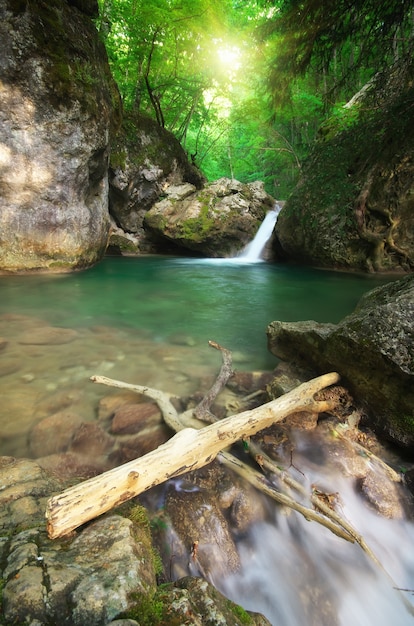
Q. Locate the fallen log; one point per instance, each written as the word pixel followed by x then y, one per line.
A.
pixel 189 449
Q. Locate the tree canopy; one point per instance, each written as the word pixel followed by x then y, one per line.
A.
pixel 245 85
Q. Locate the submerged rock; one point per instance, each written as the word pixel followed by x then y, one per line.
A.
pixel 217 221
pixel 373 351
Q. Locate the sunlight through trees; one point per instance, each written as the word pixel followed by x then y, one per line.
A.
pixel 245 85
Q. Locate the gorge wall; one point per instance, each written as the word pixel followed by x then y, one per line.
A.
pixel 59 106
pixel 354 205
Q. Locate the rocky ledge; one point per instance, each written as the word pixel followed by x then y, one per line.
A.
pixel 372 349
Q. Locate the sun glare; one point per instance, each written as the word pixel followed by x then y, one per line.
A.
pixel 230 56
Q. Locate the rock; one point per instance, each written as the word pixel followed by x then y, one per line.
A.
pixel 10 365
pixel 217 221
pixel 48 335
pixel 131 418
pixel 148 439
pixel 92 440
pixel 70 465
pixel 53 434
pixel 195 602
pixel 103 573
pixel 25 489
pixel 383 494
pixel 59 105
pixel 145 161
pixel 88 582
pixel 373 351
pixel 111 403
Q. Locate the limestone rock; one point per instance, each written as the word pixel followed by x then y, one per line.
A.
pixel 104 573
pixel 58 103
pixel 372 349
pixel 217 221
pixel 195 602
pixel 145 160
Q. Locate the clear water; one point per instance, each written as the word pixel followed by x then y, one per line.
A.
pixel 218 299
pixel 148 321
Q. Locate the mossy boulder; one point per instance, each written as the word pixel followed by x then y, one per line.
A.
pixel 373 351
pixel 145 160
pixel 216 221
pixel 59 107
pixel 354 205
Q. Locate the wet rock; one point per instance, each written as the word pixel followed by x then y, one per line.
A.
pixel 207 545
pixel 92 440
pixel 69 465
pixel 10 365
pixel 85 581
pixel 195 602
pixel 131 418
pixel 53 434
pixel 48 335
pixel 217 221
pixel 56 402
pixel 147 440
pixel 25 487
pixel 111 403
pixel 373 351
pixel 383 494
pixel 94 577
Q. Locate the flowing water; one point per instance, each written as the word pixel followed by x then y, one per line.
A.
pixel 148 321
pixel 254 250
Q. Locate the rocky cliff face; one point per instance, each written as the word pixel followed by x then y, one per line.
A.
pixel 354 207
pixel 57 100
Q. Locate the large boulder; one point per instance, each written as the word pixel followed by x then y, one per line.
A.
pixel 103 573
pixel 58 102
pixel 354 205
pixel 217 221
pixel 373 351
pixel 145 160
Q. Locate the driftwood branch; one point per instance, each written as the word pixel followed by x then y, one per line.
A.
pixel 189 449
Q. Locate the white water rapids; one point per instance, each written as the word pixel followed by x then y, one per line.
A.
pixel 298 573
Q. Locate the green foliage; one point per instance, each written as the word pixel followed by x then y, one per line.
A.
pixel 245 86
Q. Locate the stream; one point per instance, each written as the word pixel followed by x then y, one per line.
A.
pixel 147 320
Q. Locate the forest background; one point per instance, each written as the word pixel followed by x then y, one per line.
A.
pixel 247 85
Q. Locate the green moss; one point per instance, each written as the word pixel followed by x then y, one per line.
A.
pixel 147 610
pixel 118 159
pixel 196 228
pixel 241 614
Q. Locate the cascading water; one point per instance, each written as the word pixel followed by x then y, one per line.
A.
pixel 298 573
pixel 254 250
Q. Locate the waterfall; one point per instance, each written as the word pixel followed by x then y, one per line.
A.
pixel 254 250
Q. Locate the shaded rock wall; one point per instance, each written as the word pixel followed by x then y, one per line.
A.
pixel 57 100
pixel 354 205
pixel 145 160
